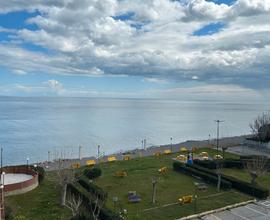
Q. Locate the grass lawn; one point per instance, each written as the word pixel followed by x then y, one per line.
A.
pixel 40 204
pixel 263 180
pixel 170 187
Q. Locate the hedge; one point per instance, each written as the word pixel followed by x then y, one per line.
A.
pixel 228 163
pixel 92 173
pixel 90 187
pixel 245 187
pixel 206 177
pixel 85 193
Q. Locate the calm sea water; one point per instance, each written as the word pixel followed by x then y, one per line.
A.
pixel 30 127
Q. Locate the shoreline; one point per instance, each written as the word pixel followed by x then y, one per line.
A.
pixel 149 151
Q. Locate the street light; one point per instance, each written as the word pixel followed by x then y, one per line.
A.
pixel 218 121
pixel 171 144
pixel 27 161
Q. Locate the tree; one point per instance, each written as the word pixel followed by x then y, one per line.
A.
pixel 65 176
pixel 97 201
pixel 74 203
pixel 256 166
pixel 261 127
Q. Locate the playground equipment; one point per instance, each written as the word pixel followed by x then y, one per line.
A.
pixel 75 165
pixel 157 154
pixel 126 157
pixel 112 159
pixel 183 150
pixel 121 173
pixel 167 151
pixel 133 197
pixel 182 158
pixel 163 170
pixel 218 157
pixel 185 199
pixel 90 162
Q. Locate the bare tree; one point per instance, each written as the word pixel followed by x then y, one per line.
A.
pixel 97 201
pixel 65 176
pixel 261 127
pixel 74 203
pixel 256 166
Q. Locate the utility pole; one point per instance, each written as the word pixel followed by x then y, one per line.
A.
pixel 218 121
pixel 171 144
pixel 80 150
pixel 98 152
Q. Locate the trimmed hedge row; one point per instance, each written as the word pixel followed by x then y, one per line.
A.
pixel 92 173
pixel 242 186
pixel 85 189
pixel 189 170
pixel 228 163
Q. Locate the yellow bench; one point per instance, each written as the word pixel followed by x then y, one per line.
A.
pixel 163 170
pixel 204 154
pixel 121 173
pixel 75 165
pixel 127 157
pixel 112 159
pixel 90 162
pixel 186 199
pixel 167 151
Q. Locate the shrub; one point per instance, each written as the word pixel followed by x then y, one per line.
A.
pixel 197 173
pixel 40 171
pixel 228 163
pixel 240 185
pixel 90 187
pixel 92 173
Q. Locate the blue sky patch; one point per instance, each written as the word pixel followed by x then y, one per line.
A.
pixel 209 29
pixel 124 17
pixel 227 2
pixel 17 20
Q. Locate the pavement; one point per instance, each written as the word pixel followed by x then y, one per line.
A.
pixel 254 211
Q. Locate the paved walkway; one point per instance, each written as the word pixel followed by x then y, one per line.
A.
pixel 253 211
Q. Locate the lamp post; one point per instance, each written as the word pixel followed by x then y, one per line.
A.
pixel 49 156
pixel 218 121
pixel 2 202
pixel 98 153
pixel 27 161
pixel 171 144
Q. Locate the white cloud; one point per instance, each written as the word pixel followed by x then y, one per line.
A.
pixel 83 38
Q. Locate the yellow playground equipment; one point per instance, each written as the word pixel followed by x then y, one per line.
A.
pixel 185 199
pixel 90 162
pixel 112 159
pixel 218 157
pixel 163 170
pixel 121 173
pixel 182 158
pixel 126 157
pixel 183 150
pixel 157 154
pixel 167 151
pixel 204 154
pixel 75 165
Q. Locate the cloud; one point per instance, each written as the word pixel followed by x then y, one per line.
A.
pixel 155 43
pixel 155 80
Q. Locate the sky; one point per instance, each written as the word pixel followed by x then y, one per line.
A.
pixel 182 49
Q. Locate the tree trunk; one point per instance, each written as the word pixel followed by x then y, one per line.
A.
pixel 63 195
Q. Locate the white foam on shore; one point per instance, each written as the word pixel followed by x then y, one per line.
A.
pixel 11 178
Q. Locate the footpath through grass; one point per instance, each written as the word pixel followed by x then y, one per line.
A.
pixel 170 187
pixel 40 204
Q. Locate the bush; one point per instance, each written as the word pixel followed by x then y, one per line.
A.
pixel 91 188
pixel 228 163
pixel 92 173
pixel 240 185
pixel 197 173
pixel 40 171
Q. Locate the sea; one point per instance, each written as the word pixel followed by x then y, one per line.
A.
pixel 37 129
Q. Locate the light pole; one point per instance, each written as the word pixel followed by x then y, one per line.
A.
pixel 218 121
pixel 171 144
pixel 49 156
pixel 2 204
pixel 27 161
pixel 80 151
pixel 1 160
pixel 98 152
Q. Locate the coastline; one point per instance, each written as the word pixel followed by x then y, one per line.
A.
pixel 149 151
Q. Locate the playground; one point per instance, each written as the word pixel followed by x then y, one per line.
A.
pixel 130 187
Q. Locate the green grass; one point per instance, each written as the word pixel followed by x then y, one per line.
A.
pixel 263 180
pixel 170 188
pixel 40 204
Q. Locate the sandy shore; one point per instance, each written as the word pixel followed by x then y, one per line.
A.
pixel 234 141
